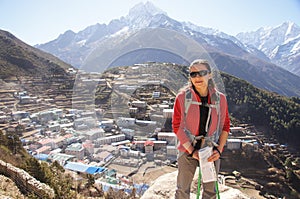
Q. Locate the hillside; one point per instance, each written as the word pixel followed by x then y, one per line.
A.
pixel 19 59
pixel 273 114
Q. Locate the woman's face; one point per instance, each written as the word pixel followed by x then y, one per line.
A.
pixel 200 81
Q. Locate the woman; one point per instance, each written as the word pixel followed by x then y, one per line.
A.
pixel 208 119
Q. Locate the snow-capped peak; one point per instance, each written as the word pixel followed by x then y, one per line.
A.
pixel 148 8
pixel 270 38
pixel 140 16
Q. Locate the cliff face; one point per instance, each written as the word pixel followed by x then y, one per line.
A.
pixel 164 188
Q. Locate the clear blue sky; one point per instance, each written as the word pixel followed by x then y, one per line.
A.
pixel 40 21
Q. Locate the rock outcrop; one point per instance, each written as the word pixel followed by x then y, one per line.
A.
pixel 164 188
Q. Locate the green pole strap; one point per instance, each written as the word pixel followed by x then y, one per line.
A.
pixel 217 189
pixel 199 184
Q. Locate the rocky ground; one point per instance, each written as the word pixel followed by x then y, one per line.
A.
pixel 8 189
pixel 164 188
pixel 162 180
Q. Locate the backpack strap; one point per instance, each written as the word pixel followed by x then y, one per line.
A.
pixel 216 99
pixel 187 101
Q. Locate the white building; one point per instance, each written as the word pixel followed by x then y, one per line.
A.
pixel 89 122
pixel 76 150
pixel 233 144
pixel 172 151
pixel 109 139
pixel 155 94
pixel 170 137
pixel 125 122
pixel 93 134
pixel 141 104
pixel 128 132
pixel 167 113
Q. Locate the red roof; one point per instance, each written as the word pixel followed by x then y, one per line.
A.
pixel 149 142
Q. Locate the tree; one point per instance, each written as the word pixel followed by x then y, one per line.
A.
pixel 34 168
pixel 59 181
pixel 91 181
pixel 288 162
pixel 3 139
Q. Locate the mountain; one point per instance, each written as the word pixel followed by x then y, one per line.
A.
pixel 280 44
pixel 105 41
pixel 19 59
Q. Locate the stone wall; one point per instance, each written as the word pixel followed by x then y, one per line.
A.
pixel 25 182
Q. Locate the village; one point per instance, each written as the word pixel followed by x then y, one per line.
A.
pixel 115 126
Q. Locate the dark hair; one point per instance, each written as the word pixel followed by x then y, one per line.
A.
pixel 201 61
pixel 204 62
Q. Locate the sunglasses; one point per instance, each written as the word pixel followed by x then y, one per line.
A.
pixel 201 73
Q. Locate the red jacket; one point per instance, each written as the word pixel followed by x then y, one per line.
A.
pixel 193 117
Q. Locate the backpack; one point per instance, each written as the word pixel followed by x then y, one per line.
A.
pixel 188 102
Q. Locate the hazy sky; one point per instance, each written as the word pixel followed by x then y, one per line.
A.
pixel 40 21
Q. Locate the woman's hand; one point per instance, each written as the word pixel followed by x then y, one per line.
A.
pixel 196 155
pixel 215 156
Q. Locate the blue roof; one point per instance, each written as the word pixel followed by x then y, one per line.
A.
pixel 41 156
pixel 80 167
pixel 75 166
pixel 141 188
pixel 93 170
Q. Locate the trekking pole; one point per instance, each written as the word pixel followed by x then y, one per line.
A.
pixel 199 184
pixel 217 189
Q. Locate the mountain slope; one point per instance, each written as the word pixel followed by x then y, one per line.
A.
pixel 261 74
pixel 19 59
pixel 273 114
